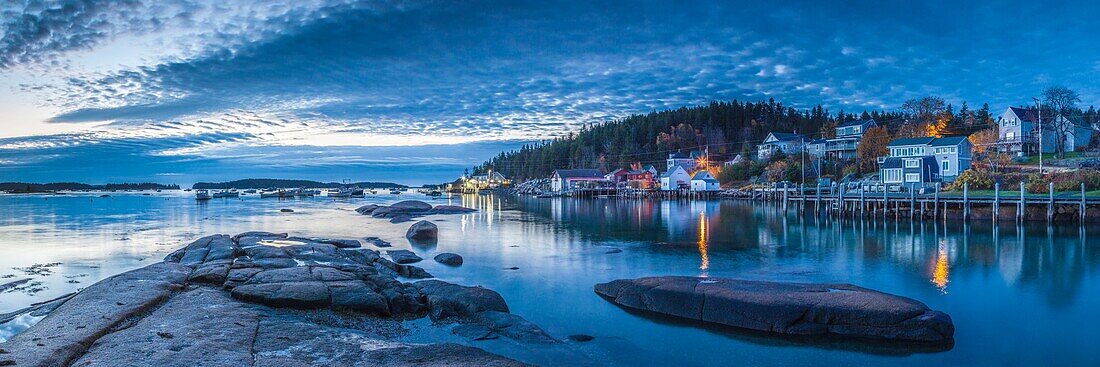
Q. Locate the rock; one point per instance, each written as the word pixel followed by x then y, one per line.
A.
pixel 448 258
pixel 403 256
pixel 514 327
pixel 377 242
pixel 338 242
pixel 358 296
pixel 474 332
pixel 788 308
pixel 580 338
pixel 400 218
pixel 422 230
pixel 613 250
pixel 9 285
pixel 62 336
pixel 366 209
pixel 305 295
pixel 452 300
pixel 412 206
pixel 512 268
pixel 258 234
pixel 212 272
pixel 451 209
pixel 285 210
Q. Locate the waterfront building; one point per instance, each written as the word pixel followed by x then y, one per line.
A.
pixel 786 143
pixel 1018 132
pixel 567 180
pixel 816 148
pixel 617 176
pixel 675 178
pixel 919 162
pixel 703 180
pixel 491 180
pixel 642 179
pixel 688 162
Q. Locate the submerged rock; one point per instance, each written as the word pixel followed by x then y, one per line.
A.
pixel 406 210
pixel 448 258
pixel 403 256
pixel 422 231
pixel 787 308
pixel 452 300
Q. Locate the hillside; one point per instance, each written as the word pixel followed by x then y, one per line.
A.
pixel 263 183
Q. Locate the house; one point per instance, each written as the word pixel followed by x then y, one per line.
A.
pixel 566 180
pixel 641 179
pixel 737 159
pixel 491 180
pixel 816 148
pixel 912 173
pixel 848 135
pixel 703 180
pixel 779 142
pixel 616 176
pixel 1019 132
pixel 688 162
pixel 920 161
pixel 675 178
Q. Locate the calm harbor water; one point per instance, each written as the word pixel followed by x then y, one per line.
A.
pixel 1019 295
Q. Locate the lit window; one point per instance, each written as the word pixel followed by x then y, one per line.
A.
pixel 946 167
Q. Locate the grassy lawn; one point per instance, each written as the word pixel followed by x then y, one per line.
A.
pixel 1051 157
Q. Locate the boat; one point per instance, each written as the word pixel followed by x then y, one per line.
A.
pixel 202 195
pixel 250 191
pixel 280 193
pixel 357 193
pixel 226 194
pixel 435 193
pixel 305 193
pixel 342 192
pixel 395 192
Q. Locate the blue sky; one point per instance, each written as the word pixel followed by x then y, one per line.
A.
pixel 186 90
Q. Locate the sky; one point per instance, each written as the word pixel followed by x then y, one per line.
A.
pixel 179 91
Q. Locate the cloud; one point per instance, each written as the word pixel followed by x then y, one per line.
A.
pixel 235 76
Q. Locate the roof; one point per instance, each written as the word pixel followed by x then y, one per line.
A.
pixel 617 171
pixel 673 170
pixel 702 175
pixel 649 167
pixel 579 173
pixel 899 162
pixel 1025 114
pixel 818 141
pixel 856 123
pixel 910 141
pixel 948 141
pixel 786 136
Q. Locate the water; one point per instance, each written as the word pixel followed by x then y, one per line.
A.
pixel 1019 295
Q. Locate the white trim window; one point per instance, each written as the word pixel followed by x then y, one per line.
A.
pixel 912 177
pixel 946 166
pixel 912 163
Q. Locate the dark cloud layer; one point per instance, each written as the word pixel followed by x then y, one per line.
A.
pixel 506 70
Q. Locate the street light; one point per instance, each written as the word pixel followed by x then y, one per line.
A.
pixel 1040 104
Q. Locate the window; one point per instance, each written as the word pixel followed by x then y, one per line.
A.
pixel 912 163
pixel 912 177
pixel 946 166
pixel 1010 135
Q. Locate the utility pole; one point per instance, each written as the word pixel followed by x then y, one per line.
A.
pixel 1040 104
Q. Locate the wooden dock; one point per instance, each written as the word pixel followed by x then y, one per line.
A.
pixel 1052 207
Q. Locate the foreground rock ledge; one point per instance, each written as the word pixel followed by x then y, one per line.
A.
pixel 264 299
pixel 787 308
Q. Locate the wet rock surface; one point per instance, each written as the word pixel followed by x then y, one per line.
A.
pixel 403 256
pixel 256 299
pixel 448 258
pixel 404 211
pixel 788 308
pixel 422 231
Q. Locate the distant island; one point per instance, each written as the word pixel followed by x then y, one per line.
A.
pixel 263 183
pixel 24 187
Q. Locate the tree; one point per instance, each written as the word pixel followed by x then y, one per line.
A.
pixel 928 116
pixel 1062 102
pixel 872 146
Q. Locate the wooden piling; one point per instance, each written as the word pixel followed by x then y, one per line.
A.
pixel 966 201
pixel 1082 210
pixel 996 200
pixel 1050 202
pixel 1021 209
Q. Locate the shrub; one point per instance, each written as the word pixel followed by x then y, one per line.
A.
pixel 976 179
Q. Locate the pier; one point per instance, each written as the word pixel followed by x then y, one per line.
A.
pixel 1017 205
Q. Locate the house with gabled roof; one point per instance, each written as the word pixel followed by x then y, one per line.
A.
pixel 917 162
pixel 848 136
pixel 1018 132
pixel 703 180
pixel 675 179
pixel 777 142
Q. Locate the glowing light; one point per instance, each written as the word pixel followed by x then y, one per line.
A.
pixel 705 264
pixel 940 272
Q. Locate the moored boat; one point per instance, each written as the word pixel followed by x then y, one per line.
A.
pixel 201 195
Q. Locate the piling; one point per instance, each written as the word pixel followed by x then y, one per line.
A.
pixel 1021 207
pixel 1082 210
pixel 996 200
pixel 966 201
pixel 1050 203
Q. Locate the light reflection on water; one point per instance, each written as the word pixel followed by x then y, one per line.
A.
pixel 1010 286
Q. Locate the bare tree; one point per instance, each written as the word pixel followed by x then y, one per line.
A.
pixel 1062 102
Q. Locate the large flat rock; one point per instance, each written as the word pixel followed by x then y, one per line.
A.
pixel 787 308
pixel 65 333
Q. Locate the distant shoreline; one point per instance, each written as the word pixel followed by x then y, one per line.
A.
pixel 33 188
pixel 264 183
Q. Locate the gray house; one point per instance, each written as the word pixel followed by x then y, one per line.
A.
pixel 848 135
pixel 1019 132
pixel 916 162
pixel 786 143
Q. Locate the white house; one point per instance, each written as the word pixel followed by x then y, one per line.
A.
pixel 675 178
pixel 565 180
pixel 733 162
pixel 848 135
pixel 702 180
pixel 688 162
pixel 786 143
pixel 914 162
